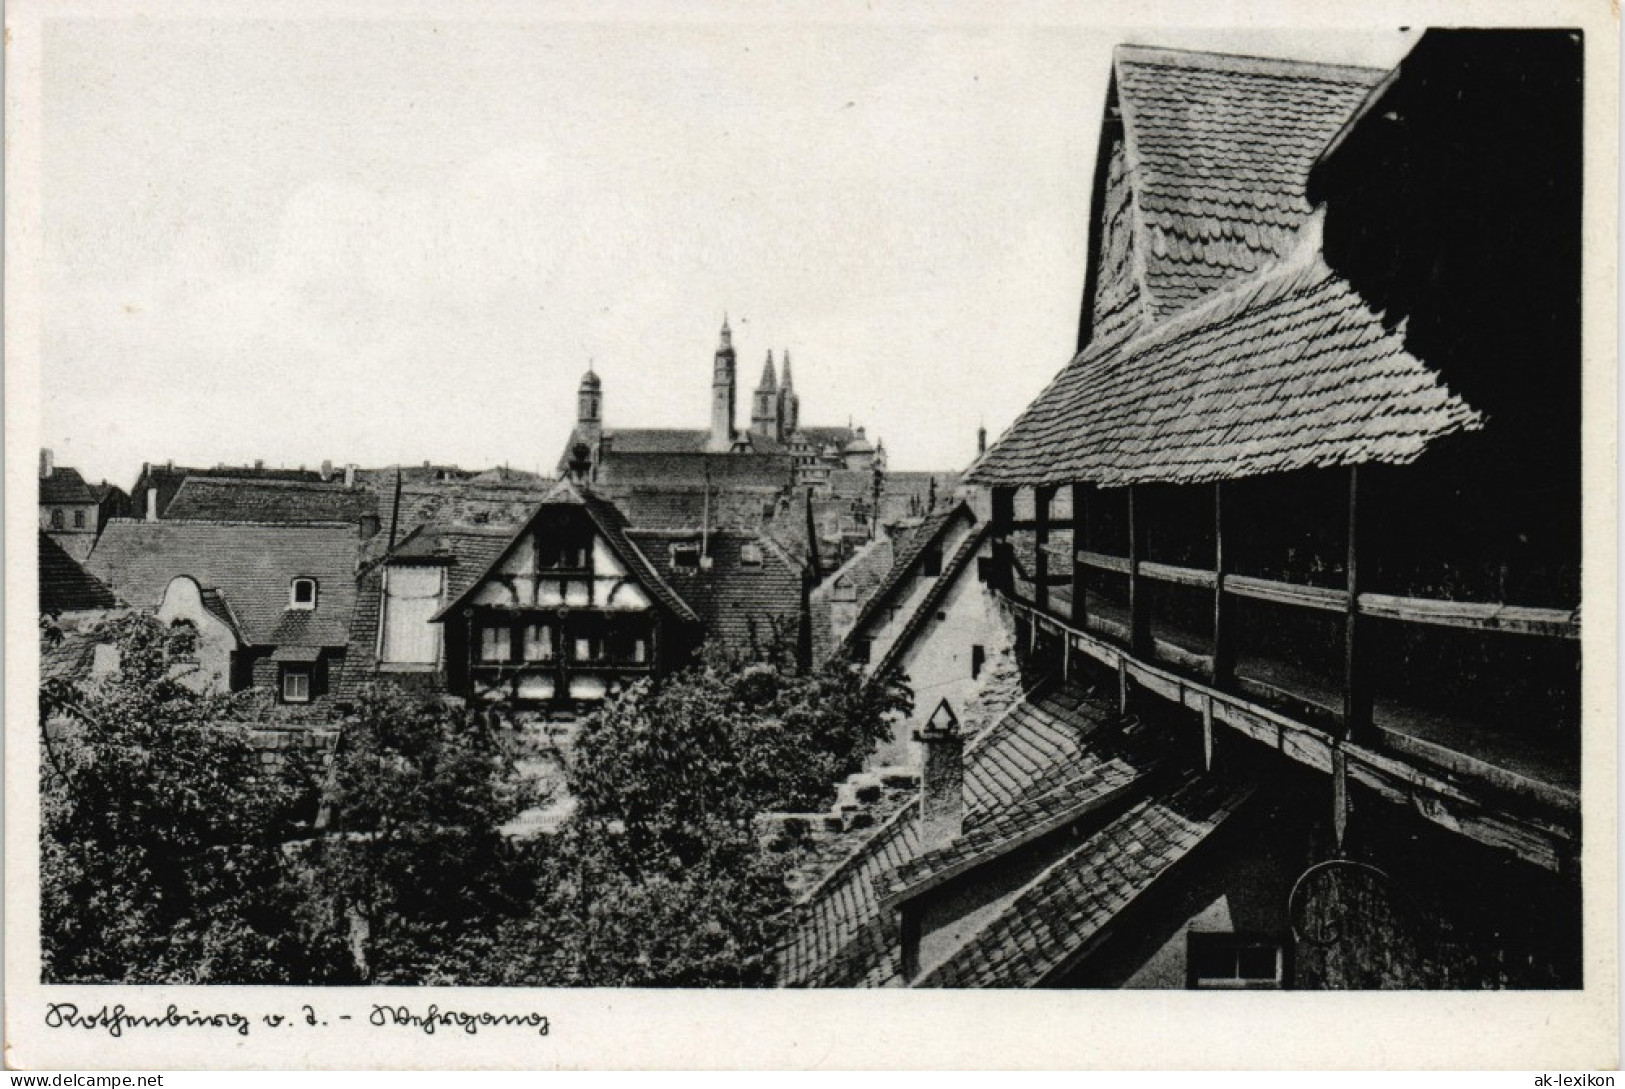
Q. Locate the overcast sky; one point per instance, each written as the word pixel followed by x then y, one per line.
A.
pixel 394 241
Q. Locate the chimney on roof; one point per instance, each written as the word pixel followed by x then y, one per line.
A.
pixel 152 504
pixel 47 463
pixel 942 778
pixel 981 439
pixel 327 470
pixel 171 465
pixel 349 475
pixel 259 464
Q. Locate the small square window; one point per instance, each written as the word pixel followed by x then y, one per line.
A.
pixel 932 565
pixel 750 554
pixel 685 555
pixel 862 650
pixel 78 519
pixel 496 643
pixel 1232 961
pixel 978 658
pixel 57 521
pixel 295 684
pixel 302 594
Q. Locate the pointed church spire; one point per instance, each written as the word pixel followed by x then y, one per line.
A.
pixel 727 333
pixel 769 380
pixel 785 382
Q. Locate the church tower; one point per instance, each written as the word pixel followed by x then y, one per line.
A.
pixel 789 403
pixel 590 407
pixel 722 395
pixel 764 413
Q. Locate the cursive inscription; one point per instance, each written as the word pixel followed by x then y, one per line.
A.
pixel 470 1023
pixel 115 1019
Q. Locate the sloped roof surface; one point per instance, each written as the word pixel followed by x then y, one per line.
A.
pixel 909 553
pixel 611 523
pixel 1220 149
pixel 465 551
pixel 1292 372
pixel 65 586
pixel 952 569
pixel 657 440
pixel 251 565
pixel 240 499
pixel 736 604
pixel 65 485
pixel 1068 905
pixel 842 938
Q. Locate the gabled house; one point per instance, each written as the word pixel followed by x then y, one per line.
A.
pixel 69 509
pixel 272 603
pixel 158 482
pixel 560 610
pixel 929 618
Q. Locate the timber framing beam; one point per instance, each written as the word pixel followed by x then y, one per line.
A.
pixel 1526 825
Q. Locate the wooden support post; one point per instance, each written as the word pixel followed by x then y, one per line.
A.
pixel 1207 733
pixel 1066 656
pixel 1356 675
pixel 1003 501
pixel 1122 685
pixel 1224 642
pixel 1042 494
pixel 1340 796
pixel 1080 541
pixel 1138 616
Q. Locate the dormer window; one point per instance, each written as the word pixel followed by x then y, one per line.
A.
pixel 685 554
pixel 302 594
pixel 750 554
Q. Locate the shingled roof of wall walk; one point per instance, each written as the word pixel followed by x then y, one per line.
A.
pixel 1063 912
pixel 1218 153
pixel 1052 750
pixel 1291 370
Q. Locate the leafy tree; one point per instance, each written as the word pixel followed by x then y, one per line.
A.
pixel 415 872
pixel 658 878
pixel 161 832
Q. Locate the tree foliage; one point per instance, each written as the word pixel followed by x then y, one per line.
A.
pixel 160 831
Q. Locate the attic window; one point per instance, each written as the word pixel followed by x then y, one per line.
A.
pixel 750 554
pixel 302 594
pixel 685 554
pixel 932 565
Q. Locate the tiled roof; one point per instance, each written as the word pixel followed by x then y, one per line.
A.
pixel 735 603
pixel 657 440
pixel 821 437
pixel 461 503
pixel 251 565
pixel 65 485
pixel 952 569
pixel 167 479
pixel 68 658
pixel 65 586
pixel 1219 149
pixel 909 555
pixel 240 499
pixel 1060 913
pixel 767 471
pixel 1291 371
pixel 466 551
pixel 852 483
pixel 842 937
pixel 611 524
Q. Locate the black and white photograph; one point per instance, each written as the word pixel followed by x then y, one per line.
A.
pixel 542 507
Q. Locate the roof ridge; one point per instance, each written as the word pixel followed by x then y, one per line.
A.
pixel 266 481
pixel 313 523
pixel 1247 63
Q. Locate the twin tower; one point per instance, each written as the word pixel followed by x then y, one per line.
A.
pixel 775 410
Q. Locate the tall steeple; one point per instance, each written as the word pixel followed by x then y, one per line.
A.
pixel 789 402
pixel 764 412
pixel 722 394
